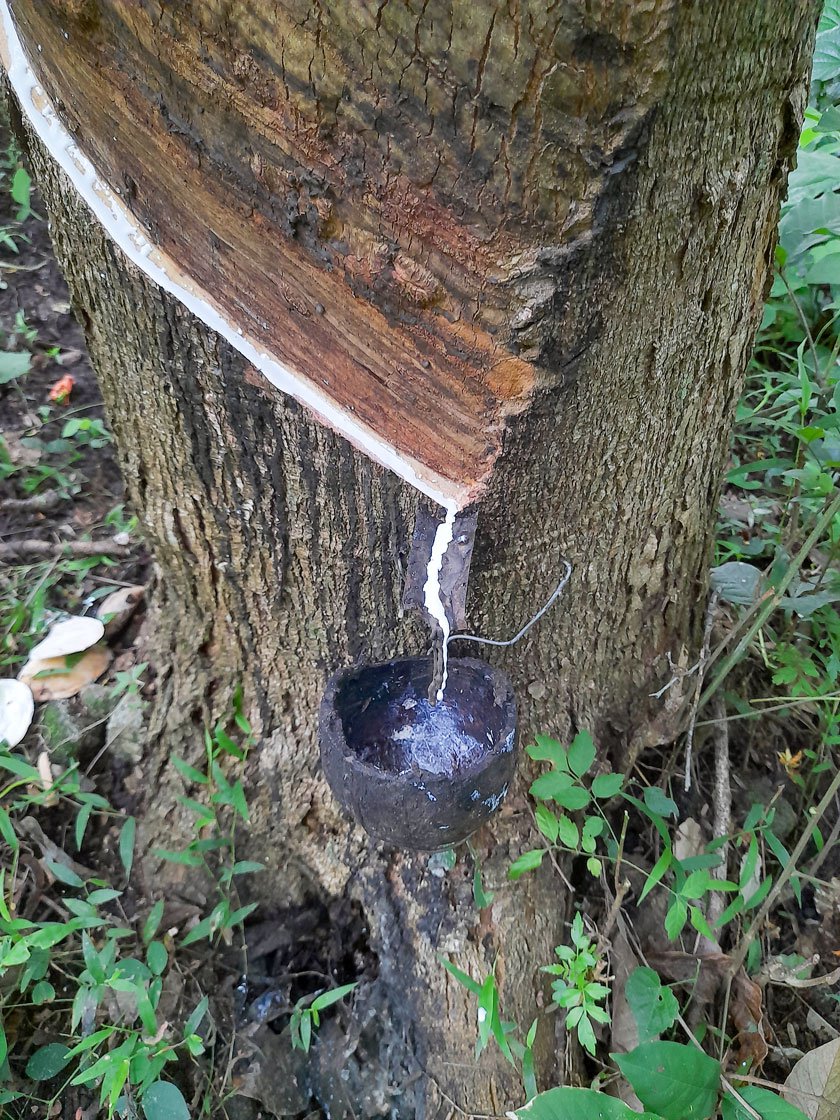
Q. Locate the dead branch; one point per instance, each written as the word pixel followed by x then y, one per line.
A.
pixel 49 550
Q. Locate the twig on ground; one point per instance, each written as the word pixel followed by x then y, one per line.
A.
pixel 612 914
pixel 36 503
pixel 25 550
pixel 721 805
pixel 701 676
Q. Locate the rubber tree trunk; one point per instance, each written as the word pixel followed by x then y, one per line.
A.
pixel 280 552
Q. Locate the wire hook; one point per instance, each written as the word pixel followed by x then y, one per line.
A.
pixel 552 599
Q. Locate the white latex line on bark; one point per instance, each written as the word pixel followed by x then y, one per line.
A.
pixel 127 232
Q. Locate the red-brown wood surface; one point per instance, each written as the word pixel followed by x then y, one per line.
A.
pixel 363 191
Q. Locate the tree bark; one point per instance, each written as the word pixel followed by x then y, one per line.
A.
pixel 281 552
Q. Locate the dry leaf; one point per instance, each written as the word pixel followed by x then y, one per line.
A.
pixel 61 681
pixel 61 390
pixel 70 636
pixel 705 971
pixel 813 1085
pixel 689 840
pixel 117 608
pixel 624 1034
pixel 19 454
pixel 17 707
pixel 748 1017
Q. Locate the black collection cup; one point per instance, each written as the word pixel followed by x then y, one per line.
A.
pixel 416 774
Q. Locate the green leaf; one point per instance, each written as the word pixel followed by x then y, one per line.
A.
pixel 581 753
pixel 549 786
pixel 43 992
pixel 187 858
pixel 568 834
pixel 306 1031
pixel 237 800
pixel 188 772
pixel 462 977
pixel 238 916
pixel 586 1034
pixel 92 1040
pixel 675 919
pixel 769 1106
pixel 47 1061
pixel 82 818
pixel 566 1103
pixel 15 953
pixel 696 884
pixel 676 1081
pixel 205 928
pixel 164 1101
pixel 19 767
pixel 227 744
pixel 7 831
pixel 656 873
pixel 548 750
pixel 248 866
pixel 593 866
pixel 573 799
pixel 528 861
pixel 127 834
pixel 653 1005
pixel 21 187
pixel 194 1022
pixel 547 823
pixel 698 920
pixel 481 897
pixel 156 957
pixel 659 802
pixel 13 364
pixel 103 894
pixel 63 873
pixel 606 785
pixel 327 999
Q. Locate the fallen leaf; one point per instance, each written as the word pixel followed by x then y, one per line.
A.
pixel 47 779
pixel 813 1085
pixel 17 707
pixel 820 1026
pixel 689 840
pixel 117 608
pixel 52 678
pixel 748 1016
pixel 71 636
pixel 61 390
pixel 19 454
pixel 70 357
pixel 705 971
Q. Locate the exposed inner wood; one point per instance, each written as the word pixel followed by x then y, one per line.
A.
pixel 367 190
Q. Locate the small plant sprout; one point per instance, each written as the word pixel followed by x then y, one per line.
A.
pixel 577 987
pixel 306 1017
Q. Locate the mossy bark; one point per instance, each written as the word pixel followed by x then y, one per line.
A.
pixel 281 552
